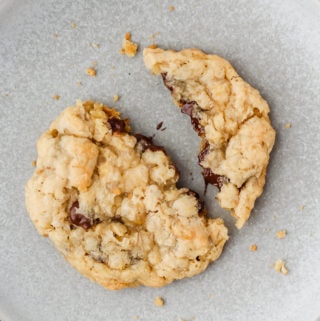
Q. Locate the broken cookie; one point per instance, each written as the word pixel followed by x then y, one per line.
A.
pixel 231 118
pixel 108 201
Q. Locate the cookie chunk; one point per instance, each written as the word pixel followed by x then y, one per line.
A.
pixel 108 201
pixel 231 118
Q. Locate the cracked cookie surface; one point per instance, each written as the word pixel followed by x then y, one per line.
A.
pixel 108 201
pixel 231 118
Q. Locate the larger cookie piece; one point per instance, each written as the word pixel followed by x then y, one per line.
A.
pixel 108 201
pixel 229 115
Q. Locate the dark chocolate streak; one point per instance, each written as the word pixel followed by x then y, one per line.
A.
pixel 188 109
pixel 117 125
pixel 214 179
pixel 79 219
pixel 208 175
pixel 166 81
pixel 204 152
pixel 145 143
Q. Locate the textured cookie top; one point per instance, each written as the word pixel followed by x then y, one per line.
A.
pixel 229 115
pixel 108 200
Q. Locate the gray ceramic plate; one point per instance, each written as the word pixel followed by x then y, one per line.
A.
pixel 274 45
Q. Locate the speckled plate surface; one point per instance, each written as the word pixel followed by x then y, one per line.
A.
pixel 45 47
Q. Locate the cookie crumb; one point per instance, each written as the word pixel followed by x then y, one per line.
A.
pixel 158 301
pixel 288 125
pixel 73 25
pixel 171 8
pixel 55 35
pixel 129 48
pixel 79 83
pixel 95 45
pixel 56 97
pixel 136 317
pixel 153 46
pixel 253 247
pixel 281 234
pixel 127 36
pixel 301 208
pixel 209 295
pixel 91 72
pixel 116 98
pixel 34 163
pixel 181 319
pixel 280 267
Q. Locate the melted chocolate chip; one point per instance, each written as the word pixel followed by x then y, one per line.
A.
pixel 166 81
pixel 79 219
pixel 188 109
pixel 214 179
pixel 144 143
pixel 204 152
pixel 117 125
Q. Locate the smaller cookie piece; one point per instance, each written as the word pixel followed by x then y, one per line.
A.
pixel 129 48
pixel 108 201
pixel 231 118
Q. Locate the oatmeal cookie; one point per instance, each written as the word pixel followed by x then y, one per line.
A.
pixel 108 201
pixel 231 118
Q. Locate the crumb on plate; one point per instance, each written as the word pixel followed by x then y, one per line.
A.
pixel 171 8
pixel 281 234
pixel 56 97
pixel 95 45
pixel 129 48
pixel 288 125
pixel 73 25
pixel 158 301
pixel 116 98
pixel 34 163
pixel 253 247
pixel 91 72
pixel 280 267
